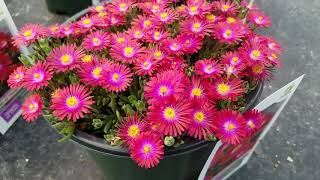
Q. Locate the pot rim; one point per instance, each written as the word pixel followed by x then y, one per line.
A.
pixel 99 144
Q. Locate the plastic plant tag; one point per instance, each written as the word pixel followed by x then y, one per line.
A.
pixel 226 159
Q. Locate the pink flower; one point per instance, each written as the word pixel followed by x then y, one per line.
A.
pixel 163 86
pixel 131 128
pixel 71 102
pixel 227 89
pixel 116 20
pixel 259 19
pixel 87 23
pixel 173 46
pixel 249 5
pixel 117 77
pixel 65 57
pixel 32 108
pixel 91 73
pixel 37 76
pixel 29 34
pixel 197 27
pixel 196 91
pixel 5 70
pixel 156 35
pixel 147 150
pixel 136 33
pixel 16 79
pixel 233 59
pixel 145 65
pixel 143 22
pixel 120 38
pixel 173 117
pixel 96 41
pixel 165 16
pixel 254 121
pixel 127 52
pixel 196 8
pixel 229 126
pixel 259 71
pixel 202 122
pixel 228 33
pixel 253 51
pixel 191 43
pixel 227 7
pixel 151 7
pixel 121 6
pixel 208 68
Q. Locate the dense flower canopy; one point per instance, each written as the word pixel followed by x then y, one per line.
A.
pixel 136 72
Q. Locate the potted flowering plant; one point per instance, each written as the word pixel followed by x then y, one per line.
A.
pixel 157 81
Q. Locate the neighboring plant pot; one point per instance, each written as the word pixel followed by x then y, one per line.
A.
pixel 69 7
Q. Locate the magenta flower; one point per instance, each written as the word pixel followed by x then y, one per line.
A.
pixel 121 6
pixel 136 33
pixel 127 52
pixel 29 34
pixel 202 122
pixel 259 19
pixel 173 46
pixel 65 57
pixel 147 150
pixel 196 91
pixel 32 108
pixel 208 68
pixel 96 41
pixel 227 89
pixel 233 59
pixel 156 35
pixel 145 65
pixel 165 16
pixel 71 102
pixel 163 86
pixel 197 27
pixel 143 22
pixel 196 8
pixel 254 121
pixel 249 5
pixel 259 72
pixel 131 128
pixel 116 20
pixel 151 7
pixel 16 79
pixel 91 73
pixel 253 51
pixel 229 126
pixel 37 77
pixel 117 77
pixel 191 43
pixel 228 33
pixel 227 7
pixel 173 117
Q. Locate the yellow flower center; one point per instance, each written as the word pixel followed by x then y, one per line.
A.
pixel 99 8
pixel 96 41
pixel 27 33
pixel 196 92
pixel 32 107
pixel 66 59
pixel 274 56
pixel 258 69
pixel 54 28
pixel 163 16
pixel 133 131
pixel 17 76
pixel 72 102
pixel 147 23
pixel 155 8
pixel 228 33
pixel 97 72
pixel 146 64
pixel 229 126
pixel 209 69
pixel 137 33
pixel 157 54
pixel 102 14
pixel 223 88
pixel 37 76
pixel 235 59
pixel 225 7
pixel 199 116
pixel 231 19
pixel 115 77
pixel 256 53
pixel 120 40
pixel 196 26
pixel 193 9
pixel 87 58
pixel 128 51
pixel 169 113
pixel 163 90
pixel 86 21
pixel 210 17
pixel 251 124
pixel 122 6
pixel 147 149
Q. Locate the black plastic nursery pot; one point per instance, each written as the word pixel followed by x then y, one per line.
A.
pixel 182 163
pixel 69 7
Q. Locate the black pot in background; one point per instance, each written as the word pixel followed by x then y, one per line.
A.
pixel 68 7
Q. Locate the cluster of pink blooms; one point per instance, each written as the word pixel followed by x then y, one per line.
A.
pixel 154 46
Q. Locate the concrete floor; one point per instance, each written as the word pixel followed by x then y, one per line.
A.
pixel 290 150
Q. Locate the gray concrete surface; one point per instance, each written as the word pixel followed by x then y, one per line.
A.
pixel 290 150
